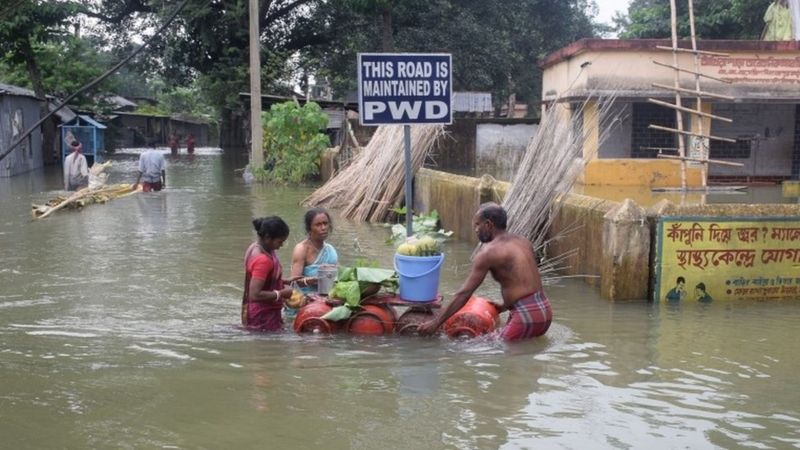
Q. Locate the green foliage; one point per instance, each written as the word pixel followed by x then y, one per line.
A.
pixel 293 142
pixel 495 45
pixel 421 226
pixel 714 19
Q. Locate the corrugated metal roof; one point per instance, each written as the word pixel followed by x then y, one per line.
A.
pixel 472 102
pixel 9 89
pixel 64 114
pixel 92 122
pixel 120 102
pixel 335 117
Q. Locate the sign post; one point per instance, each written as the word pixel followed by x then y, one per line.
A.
pixel 405 89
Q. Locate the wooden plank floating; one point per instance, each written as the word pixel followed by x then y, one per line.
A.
pixel 704 161
pixel 689 110
pixel 692 72
pixel 689 133
pixel 688 50
pixel 693 92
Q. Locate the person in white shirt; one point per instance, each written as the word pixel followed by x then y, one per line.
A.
pixel 76 171
pixel 151 170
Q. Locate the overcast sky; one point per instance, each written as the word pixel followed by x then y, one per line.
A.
pixel 609 7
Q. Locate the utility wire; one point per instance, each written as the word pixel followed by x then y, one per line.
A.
pixel 95 81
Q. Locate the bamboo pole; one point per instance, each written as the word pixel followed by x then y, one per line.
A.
pixel 689 110
pixel 692 72
pixel 698 100
pixel 709 161
pixel 677 82
pixel 689 91
pixel 256 130
pixel 690 133
pixel 675 47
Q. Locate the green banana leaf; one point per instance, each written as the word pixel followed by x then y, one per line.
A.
pixel 337 313
pixel 373 275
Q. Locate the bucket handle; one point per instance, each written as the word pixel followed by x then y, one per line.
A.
pixel 433 269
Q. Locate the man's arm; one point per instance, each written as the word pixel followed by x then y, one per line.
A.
pixel 480 267
pixel 163 178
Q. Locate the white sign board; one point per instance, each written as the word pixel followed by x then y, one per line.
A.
pixel 405 88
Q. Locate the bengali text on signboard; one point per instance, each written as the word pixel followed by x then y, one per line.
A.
pixel 705 259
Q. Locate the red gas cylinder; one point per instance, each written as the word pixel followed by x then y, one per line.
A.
pixel 372 320
pixel 477 317
pixel 309 319
pixel 408 323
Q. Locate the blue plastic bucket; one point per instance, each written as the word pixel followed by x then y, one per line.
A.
pixel 419 276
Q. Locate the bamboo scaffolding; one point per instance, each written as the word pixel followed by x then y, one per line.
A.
pixel 709 161
pixel 689 110
pixel 692 72
pixel 696 93
pixel 691 133
pixel 698 100
pixel 677 82
pixel 675 48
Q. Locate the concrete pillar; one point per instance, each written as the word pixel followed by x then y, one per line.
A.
pixel 591 131
pixel 791 188
pixel 625 268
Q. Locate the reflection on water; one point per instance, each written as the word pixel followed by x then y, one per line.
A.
pixel 118 328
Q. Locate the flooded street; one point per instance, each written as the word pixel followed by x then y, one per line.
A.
pixel 119 329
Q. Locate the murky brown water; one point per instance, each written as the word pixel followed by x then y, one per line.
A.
pixel 118 329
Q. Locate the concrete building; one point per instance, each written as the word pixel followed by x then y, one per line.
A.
pixel 763 78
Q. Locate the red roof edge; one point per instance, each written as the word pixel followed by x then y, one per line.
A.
pixel 584 45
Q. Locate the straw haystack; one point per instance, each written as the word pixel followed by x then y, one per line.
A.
pixel 552 163
pixel 372 184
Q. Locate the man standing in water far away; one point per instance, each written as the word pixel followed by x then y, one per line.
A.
pixel 151 170
pixel 510 259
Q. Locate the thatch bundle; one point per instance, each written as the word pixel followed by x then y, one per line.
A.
pixel 552 163
pixel 372 184
pixel 97 192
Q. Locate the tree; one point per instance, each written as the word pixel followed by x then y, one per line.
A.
pixel 495 46
pixel 29 29
pixel 714 19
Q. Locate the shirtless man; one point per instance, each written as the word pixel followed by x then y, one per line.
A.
pixel 510 259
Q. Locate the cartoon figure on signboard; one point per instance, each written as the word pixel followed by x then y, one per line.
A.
pixel 677 293
pixel 700 293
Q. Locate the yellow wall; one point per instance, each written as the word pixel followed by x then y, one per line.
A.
pixel 638 172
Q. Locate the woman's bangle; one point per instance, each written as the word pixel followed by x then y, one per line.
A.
pixel 277 295
pixel 305 281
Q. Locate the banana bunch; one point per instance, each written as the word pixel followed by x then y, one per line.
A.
pixel 296 300
pixel 424 246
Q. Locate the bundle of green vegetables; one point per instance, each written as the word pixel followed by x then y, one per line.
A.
pixel 355 283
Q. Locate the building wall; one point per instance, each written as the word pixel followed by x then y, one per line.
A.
pixel 796 154
pixel 766 129
pixel 500 148
pixel 26 156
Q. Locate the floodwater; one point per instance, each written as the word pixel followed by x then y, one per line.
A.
pixel 118 329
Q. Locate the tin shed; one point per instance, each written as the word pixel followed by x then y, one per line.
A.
pixel 88 132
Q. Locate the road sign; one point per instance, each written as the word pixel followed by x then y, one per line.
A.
pixel 405 88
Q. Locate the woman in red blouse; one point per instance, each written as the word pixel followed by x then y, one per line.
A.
pixel 264 290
